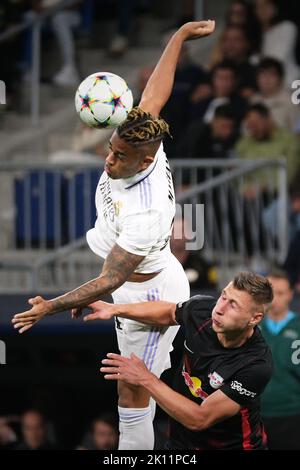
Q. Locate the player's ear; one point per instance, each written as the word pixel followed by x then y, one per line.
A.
pixel 257 317
pixel 147 160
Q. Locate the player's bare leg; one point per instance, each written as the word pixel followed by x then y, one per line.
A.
pixel 136 428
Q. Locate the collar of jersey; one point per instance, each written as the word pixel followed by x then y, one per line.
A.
pixel 275 327
pixel 136 179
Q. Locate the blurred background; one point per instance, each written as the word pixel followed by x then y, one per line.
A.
pixel 235 149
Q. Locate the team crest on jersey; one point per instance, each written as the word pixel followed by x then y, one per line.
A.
pixel 292 334
pixel 215 380
pixel 117 206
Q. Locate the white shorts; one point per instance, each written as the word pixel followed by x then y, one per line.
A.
pixel 149 343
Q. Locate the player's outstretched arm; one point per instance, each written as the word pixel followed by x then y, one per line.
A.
pixel 159 313
pixel 117 268
pixel 215 408
pixel 160 84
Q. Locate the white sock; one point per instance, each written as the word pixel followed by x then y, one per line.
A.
pixel 136 429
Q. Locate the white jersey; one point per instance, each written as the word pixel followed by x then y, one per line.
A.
pixel 137 213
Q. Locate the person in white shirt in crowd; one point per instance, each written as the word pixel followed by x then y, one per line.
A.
pixel 278 38
pixel 272 93
pixel 62 23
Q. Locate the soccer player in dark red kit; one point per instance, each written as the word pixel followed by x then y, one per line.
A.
pixel 215 402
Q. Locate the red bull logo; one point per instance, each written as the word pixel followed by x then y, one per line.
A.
pixel 194 385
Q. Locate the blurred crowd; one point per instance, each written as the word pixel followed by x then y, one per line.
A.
pixel 76 21
pixel 32 430
pixel 238 104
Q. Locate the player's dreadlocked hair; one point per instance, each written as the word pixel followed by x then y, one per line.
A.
pixel 142 128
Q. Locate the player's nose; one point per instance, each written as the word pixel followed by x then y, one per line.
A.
pixel 110 159
pixel 221 308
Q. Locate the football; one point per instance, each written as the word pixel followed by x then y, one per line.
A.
pixel 103 100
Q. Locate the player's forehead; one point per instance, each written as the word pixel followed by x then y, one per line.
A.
pixel 121 146
pixel 240 296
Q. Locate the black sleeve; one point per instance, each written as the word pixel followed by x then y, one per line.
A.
pixel 248 383
pixel 198 303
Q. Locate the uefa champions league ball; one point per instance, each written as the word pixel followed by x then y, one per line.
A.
pixel 103 100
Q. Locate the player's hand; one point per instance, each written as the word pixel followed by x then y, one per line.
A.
pixel 101 311
pixel 197 29
pixel 25 320
pixel 131 370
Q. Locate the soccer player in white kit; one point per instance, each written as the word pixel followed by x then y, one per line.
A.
pixel 136 206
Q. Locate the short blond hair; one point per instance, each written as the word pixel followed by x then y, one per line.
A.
pixel 257 286
pixel 142 128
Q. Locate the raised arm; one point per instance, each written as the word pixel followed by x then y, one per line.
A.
pixel 160 84
pixel 159 313
pixel 118 266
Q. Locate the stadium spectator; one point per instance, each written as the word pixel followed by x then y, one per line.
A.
pixel 8 436
pixel 63 23
pixel 234 46
pixel 10 15
pixel 291 11
pixel 125 14
pixel 271 92
pixel 278 38
pixel 266 140
pixel 103 434
pixel 224 91
pixel 281 399
pixel 213 140
pixel 120 41
pixel 35 431
pixel 241 14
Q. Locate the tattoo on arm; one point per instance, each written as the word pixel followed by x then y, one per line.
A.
pixel 117 268
pixel 119 265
